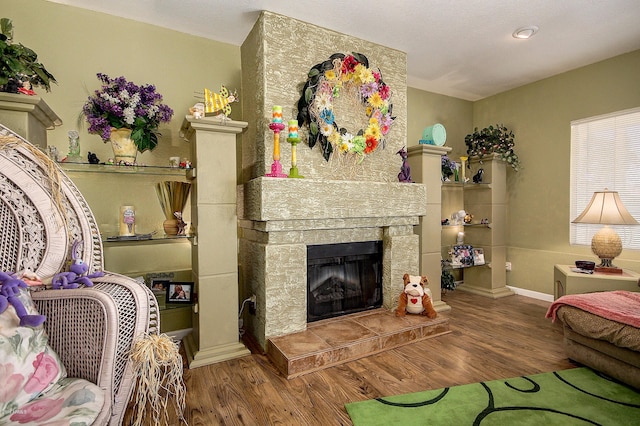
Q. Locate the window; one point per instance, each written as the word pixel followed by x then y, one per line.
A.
pixel 605 153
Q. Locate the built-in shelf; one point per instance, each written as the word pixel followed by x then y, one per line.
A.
pixel 161 239
pixel 449 266
pixel 112 168
pixel 469 225
pixel 466 185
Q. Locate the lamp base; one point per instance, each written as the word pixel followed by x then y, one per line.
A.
pixel 608 269
pixel 607 245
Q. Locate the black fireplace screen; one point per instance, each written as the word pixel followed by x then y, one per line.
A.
pixel 343 279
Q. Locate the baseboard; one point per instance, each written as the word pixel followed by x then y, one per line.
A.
pixel 178 335
pixel 530 293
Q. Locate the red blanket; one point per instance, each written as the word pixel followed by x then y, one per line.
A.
pixel 620 306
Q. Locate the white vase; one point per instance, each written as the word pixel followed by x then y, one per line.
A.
pixel 124 148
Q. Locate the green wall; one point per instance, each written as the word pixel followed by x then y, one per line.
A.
pixel 538 195
pixel 74 44
pixel 425 109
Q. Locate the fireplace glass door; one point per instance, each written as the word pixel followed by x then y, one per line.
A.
pixel 343 279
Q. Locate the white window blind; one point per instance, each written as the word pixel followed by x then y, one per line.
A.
pixel 605 153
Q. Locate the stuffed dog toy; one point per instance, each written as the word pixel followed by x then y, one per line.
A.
pixel 414 299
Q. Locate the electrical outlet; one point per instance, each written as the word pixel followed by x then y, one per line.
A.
pixel 508 266
pixel 252 304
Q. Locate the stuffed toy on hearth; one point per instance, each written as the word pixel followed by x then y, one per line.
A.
pixel 414 299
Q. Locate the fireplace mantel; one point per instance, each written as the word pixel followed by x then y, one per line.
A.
pixel 274 199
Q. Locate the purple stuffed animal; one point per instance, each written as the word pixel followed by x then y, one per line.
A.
pixel 77 273
pixel 9 295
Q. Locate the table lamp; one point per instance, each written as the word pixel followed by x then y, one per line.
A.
pixel 606 208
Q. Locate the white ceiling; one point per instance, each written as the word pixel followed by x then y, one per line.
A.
pixel 460 48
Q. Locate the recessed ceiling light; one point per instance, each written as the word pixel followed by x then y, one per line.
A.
pixel 525 32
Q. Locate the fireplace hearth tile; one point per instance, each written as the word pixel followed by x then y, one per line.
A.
pixel 337 333
pixel 339 340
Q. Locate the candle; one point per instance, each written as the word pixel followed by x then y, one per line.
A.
pixel 127 221
pixel 276 146
pixel 276 126
pixel 277 113
pixel 294 161
pixel 463 160
pixel 293 129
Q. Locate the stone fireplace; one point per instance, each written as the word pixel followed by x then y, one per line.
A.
pixel 280 218
pixel 339 201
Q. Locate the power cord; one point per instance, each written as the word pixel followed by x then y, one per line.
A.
pixel 252 300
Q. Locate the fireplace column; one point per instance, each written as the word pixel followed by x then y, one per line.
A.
pixel 426 167
pixel 214 253
pixel 400 256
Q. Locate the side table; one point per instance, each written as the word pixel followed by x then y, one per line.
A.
pixel 568 282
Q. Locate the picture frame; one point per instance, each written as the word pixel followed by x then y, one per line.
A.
pixel 462 256
pixel 478 256
pixel 180 292
pixel 159 285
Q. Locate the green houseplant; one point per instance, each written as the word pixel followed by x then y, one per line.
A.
pixel 19 66
pixel 493 140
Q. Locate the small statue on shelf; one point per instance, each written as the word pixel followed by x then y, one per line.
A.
pixel 405 170
pixel 53 153
pixel 74 147
pixel 93 158
pixel 477 178
pixel 181 223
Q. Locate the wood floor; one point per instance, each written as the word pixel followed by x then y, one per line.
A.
pixel 490 339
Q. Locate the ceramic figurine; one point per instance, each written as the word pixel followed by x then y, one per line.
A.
pixel 477 178
pixel 405 170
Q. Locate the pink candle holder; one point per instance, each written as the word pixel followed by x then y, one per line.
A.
pixel 276 167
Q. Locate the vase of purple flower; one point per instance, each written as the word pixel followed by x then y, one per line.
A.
pixel 126 114
pixel 124 148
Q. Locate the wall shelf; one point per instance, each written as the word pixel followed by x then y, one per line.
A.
pixel 466 185
pixel 112 168
pixel 162 239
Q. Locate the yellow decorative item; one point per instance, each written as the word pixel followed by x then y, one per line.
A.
pixel 219 102
pixel 124 148
pixel 158 367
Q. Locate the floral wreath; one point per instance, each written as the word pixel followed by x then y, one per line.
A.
pixel 327 81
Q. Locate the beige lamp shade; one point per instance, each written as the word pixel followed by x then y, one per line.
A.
pixel 606 208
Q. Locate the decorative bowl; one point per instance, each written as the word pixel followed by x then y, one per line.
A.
pixel 585 264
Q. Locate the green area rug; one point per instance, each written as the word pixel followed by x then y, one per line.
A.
pixel 578 396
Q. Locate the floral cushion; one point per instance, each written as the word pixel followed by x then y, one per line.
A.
pixel 74 402
pixel 34 389
pixel 28 366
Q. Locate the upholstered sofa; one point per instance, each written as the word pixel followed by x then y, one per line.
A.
pixel 88 333
pixel 601 331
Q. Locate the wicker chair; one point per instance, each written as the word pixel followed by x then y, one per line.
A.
pixel 91 329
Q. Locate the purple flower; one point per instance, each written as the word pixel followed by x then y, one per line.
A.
pixel 122 104
pixel 368 89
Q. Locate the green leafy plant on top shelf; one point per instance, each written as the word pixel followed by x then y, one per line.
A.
pixel 19 66
pixel 493 140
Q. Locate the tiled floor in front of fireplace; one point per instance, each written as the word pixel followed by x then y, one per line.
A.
pixel 335 341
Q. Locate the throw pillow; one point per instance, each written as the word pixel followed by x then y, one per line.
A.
pixel 28 365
